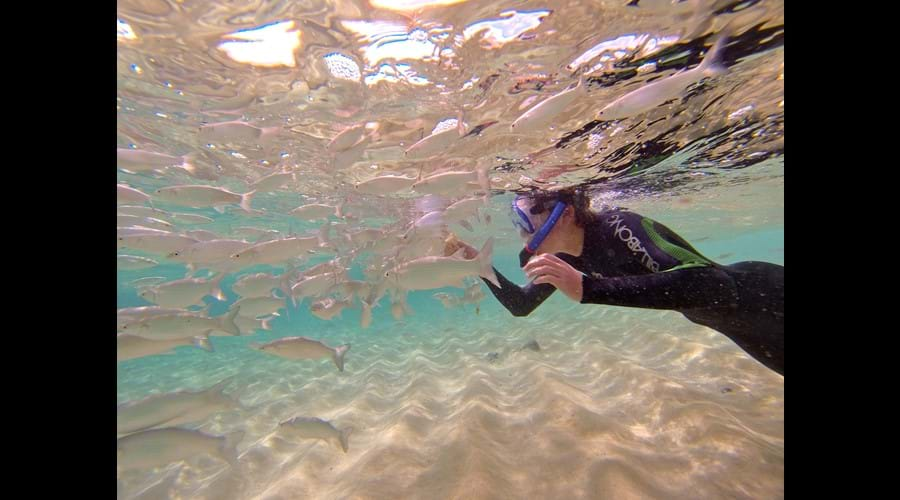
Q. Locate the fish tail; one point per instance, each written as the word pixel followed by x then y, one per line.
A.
pixel 245 200
pixel 345 438
pixel 485 269
pixel 203 343
pixel 338 356
pixel 228 323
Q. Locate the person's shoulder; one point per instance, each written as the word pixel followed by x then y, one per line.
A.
pixel 614 214
pixel 613 210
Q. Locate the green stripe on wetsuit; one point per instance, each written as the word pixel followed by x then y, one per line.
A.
pixel 688 258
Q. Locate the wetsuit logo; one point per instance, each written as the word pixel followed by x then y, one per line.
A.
pixel 633 243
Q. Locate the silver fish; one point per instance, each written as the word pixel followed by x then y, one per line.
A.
pixel 173 409
pixel 435 272
pixel 184 292
pixel 329 308
pixel 199 196
pixel 304 348
pixel 133 262
pixel 385 184
pixel 542 114
pixel 133 347
pixel 158 447
pixel 316 428
pixel 135 160
pixel 254 307
pixel 127 194
pixel 658 92
pixel 183 324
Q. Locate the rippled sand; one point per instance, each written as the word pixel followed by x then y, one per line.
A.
pixel 618 403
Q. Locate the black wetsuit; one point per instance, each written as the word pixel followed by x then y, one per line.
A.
pixel 632 261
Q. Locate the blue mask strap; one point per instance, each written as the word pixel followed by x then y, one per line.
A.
pixel 546 228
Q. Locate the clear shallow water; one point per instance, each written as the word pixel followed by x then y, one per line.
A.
pixel 621 403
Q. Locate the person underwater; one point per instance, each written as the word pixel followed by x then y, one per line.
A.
pixel 619 258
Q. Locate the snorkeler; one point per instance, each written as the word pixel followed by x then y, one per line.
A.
pixel 619 258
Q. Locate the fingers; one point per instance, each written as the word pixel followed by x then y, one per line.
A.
pixel 535 262
pixel 543 270
pixel 546 258
pixel 553 280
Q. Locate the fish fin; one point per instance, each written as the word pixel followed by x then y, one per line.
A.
pixel 268 133
pixel 407 310
pixel 367 311
pixel 338 355
pixel 203 343
pixel 245 201
pixel 229 447
pixel 219 388
pixel 324 235
pixel 219 208
pixel 484 262
pixel 228 324
pixel 217 287
pixel 187 163
pixel 464 223
pixel 265 323
pixel 483 180
pixel 345 438
pixel 712 63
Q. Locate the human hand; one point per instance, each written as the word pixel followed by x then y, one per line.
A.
pixel 548 268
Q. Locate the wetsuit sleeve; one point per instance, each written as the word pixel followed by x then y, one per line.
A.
pixel 678 289
pixel 520 301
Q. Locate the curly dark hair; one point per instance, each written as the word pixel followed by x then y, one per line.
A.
pixel 574 196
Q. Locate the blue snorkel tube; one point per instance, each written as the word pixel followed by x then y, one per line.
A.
pixel 542 233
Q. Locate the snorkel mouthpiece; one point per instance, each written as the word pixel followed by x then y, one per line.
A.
pixel 542 233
